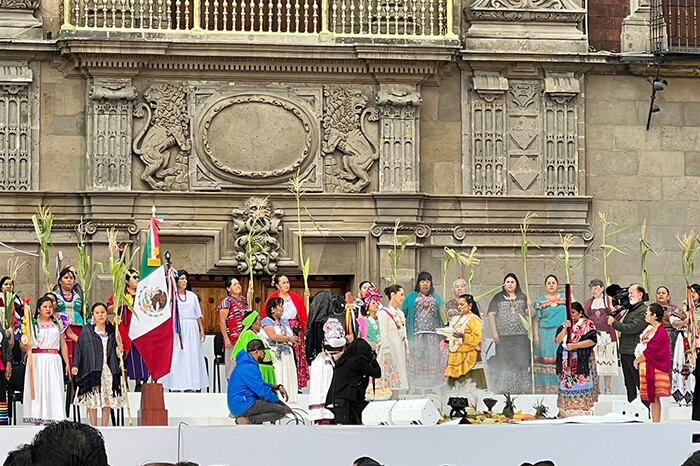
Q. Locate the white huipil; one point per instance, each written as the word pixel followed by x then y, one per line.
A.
pixel 48 404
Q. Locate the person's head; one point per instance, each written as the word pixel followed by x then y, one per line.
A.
pixel 511 283
pixel 424 283
pixel 459 286
pixel 364 286
pixel 21 456
pixel 52 298
pixel 654 313
pixel 6 285
pixel 233 287
pixel 66 279
pixel 466 304
pixel 274 308
pixel 370 301
pixel 132 279
pixel 68 443
pixel 693 460
pixel 254 319
pixel 636 293
pixel 366 461
pixel 577 311
pixel 99 314
pixel 183 281
pixel 396 295
pixel 695 293
pixel 281 283
pixel 551 283
pixel 596 287
pixel 663 295
pixel 44 308
pixel 256 348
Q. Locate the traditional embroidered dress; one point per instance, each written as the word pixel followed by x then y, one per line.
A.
pixel 49 398
pixel 71 306
pixel 551 313
pixel 99 378
pixel 135 367
pixel 682 378
pixel 267 369
pixel 393 349
pixel 654 371
pixel 321 369
pixel 670 310
pixel 236 310
pixel 295 313
pixel 423 316
pixel 282 356
pixel 577 378
pixel 606 359
pixel 464 359
pixel 188 370
pixel 511 364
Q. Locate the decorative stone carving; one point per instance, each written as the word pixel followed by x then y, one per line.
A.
pixel 489 85
pixel 17 20
pixel 398 138
pixel 488 122
pixel 19 126
pixel 20 4
pixel 524 141
pixel 109 131
pixel 257 218
pixel 166 130
pixel 349 151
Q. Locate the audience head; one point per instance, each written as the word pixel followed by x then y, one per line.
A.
pixel 366 461
pixel 68 443
pixel 21 456
pixel 693 460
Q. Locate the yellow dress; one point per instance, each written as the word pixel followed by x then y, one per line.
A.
pixel 465 353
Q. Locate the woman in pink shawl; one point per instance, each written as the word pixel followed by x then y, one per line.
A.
pixel 652 360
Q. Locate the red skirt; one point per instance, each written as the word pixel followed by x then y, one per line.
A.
pixel 662 383
pixel 300 356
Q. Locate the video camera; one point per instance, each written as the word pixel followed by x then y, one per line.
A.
pixel 620 297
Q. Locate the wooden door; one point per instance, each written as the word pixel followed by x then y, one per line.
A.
pixel 211 290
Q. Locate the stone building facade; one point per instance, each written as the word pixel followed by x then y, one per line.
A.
pixel 455 118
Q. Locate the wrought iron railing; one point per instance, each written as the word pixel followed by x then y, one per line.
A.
pixel 391 18
pixel 675 26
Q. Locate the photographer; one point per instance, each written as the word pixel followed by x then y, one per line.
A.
pixel 346 395
pixel 630 326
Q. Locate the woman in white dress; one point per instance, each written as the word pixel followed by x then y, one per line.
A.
pixel 188 371
pixel 48 346
pixel 280 338
pixel 393 351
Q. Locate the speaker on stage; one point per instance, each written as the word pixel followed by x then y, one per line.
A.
pixel 414 412
pixel 378 413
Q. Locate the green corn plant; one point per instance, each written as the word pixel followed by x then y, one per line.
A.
pixel 86 268
pixel 527 322
pixel 396 251
pixel 466 260
pixel 645 248
pixel 607 248
pixel 689 242
pixel 255 244
pixel 13 266
pixel 43 221
pixel 566 242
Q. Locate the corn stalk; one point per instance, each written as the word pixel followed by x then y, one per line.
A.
pixel 43 221
pixel 256 242
pixel 566 242
pixel 466 260
pixel 527 323
pixel 607 248
pixel 86 268
pixel 13 266
pixel 689 242
pixel 396 251
pixel 645 248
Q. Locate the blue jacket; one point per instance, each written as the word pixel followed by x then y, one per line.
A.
pixel 247 386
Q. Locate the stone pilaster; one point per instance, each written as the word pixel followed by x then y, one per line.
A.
pixel 109 134
pixel 399 142
pixel 635 35
pixel 19 127
pixel 17 20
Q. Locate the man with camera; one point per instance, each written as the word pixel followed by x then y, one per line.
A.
pixel 630 327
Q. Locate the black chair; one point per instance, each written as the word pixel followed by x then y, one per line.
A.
pixel 218 361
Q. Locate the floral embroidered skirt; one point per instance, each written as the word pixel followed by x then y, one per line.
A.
pixel 577 392
pixel 102 396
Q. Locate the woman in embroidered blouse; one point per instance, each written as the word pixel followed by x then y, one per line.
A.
pixel 511 364
pixel 653 362
pixel 232 309
pixel 370 326
pixel 281 339
pixel 464 359
pixel 578 390
pixel 682 377
pixel 663 299
pixel 598 308
pixel 424 312
pixel 550 314
pixel 393 352
pixel 70 304
pixel 295 313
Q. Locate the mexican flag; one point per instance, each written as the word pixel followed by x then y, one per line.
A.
pixel 151 327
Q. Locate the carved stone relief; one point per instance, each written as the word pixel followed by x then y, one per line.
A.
pixel 164 143
pixel 257 219
pixel 398 138
pixel 19 126
pixel 522 135
pixel 109 132
pixel 348 149
pixel 255 135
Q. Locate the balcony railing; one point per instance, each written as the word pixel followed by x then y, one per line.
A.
pixel 371 18
pixel 675 26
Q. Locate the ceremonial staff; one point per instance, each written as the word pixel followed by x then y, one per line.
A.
pixel 569 299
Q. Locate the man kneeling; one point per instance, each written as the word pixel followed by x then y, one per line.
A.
pixel 250 399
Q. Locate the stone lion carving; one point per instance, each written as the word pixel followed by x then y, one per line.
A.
pixel 257 222
pixel 167 127
pixel 344 130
